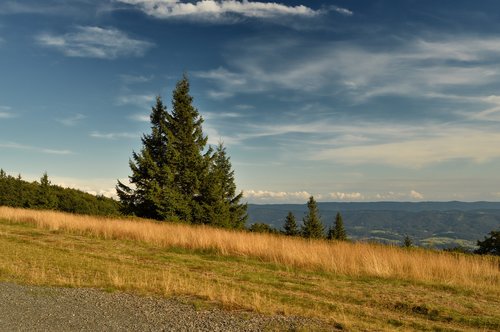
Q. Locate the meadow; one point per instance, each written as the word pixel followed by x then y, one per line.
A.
pixel 353 286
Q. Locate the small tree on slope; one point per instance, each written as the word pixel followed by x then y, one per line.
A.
pixel 290 225
pixel 313 227
pixel 490 245
pixel 337 231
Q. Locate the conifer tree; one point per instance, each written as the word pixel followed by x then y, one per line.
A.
pixel 190 165
pixel 174 176
pixel 407 242
pixel 337 231
pixel 221 204
pixel 45 197
pixel 155 195
pixel 313 227
pixel 290 225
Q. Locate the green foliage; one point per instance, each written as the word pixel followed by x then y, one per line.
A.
pixel 407 242
pixel 312 227
pixel 259 227
pixel 154 195
pixel 337 231
pixel 173 179
pixel 290 227
pixel 490 245
pixel 220 204
pixel 15 192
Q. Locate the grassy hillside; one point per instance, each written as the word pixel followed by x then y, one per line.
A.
pixel 352 286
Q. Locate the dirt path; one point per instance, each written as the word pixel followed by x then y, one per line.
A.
pixel 30 308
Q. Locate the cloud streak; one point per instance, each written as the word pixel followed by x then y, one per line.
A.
pixel 18 146
pixel 113 136
pixel 95 42
pixel 72 120
pixel 217 11
pixel 5 112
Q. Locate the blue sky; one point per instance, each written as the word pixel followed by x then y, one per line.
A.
pixel 345 100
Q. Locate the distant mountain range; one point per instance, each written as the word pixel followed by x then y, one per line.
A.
pixel 430 224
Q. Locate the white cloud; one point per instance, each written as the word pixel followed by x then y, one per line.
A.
pixel 276 196
pixel 416 195
pixel 72 120
pixel 343 11
pixel 339 196
pixel 113 136
pixel 18 146
pixel 218 10
pixel 95 42
pixel 399 196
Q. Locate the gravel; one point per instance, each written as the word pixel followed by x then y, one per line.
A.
pixel 33 308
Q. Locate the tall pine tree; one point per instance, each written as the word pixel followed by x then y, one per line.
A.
pixel 313 227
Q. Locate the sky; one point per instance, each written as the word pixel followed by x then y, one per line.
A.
pixel 345 100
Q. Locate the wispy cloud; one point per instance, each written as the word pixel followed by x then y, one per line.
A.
pixel 343 11
pixel 135 79
pixel 95 42
pixel 18 146
pixel 144 101
pixel 113 136
pixel 5 112
pixel 140 117
pixel 347 71
pixel 72 120
pixel 218 10
pixel 433 146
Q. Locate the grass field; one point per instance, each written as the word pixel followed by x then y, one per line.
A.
pixel 352 286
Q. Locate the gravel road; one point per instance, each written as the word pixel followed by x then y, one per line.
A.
pixel 31 308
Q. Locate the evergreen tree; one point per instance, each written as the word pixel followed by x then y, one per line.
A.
pixel 190 165
pixel 290 225
pixel 174 178
pixel 154 195
pixel 407 242
pixel 221 204
pixel 337 231
pixel 313 227
pixel 490 245
pixel 45 198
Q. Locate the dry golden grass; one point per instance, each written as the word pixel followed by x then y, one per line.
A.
pixel 351 259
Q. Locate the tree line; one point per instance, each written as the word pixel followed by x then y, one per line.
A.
pixel 312 225
pixel 42 194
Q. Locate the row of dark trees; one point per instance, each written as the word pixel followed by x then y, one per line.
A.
pixel 312 226
pixel 16 192
pixel 175 176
